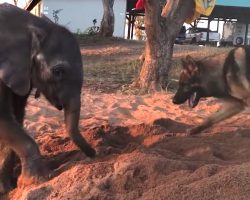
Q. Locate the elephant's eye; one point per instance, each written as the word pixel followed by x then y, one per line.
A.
pixel 58 72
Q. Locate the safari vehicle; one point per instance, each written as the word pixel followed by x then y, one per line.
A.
pixel 234 34
pixel 181 37
pixel 199 36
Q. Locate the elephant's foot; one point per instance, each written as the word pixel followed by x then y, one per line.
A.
pixel 8 162
pixel 5 185
pixel 34 173
pixel 24 181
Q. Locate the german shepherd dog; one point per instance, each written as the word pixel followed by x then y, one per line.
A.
pixel 225 76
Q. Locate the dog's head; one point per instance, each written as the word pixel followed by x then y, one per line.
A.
pixel 189 83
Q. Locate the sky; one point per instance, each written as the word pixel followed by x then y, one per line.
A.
pixel 20 3
pixel 240 3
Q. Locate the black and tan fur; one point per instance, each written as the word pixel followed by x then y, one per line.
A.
pixel 225 76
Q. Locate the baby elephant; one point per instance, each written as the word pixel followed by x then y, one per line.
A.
pixel 35 53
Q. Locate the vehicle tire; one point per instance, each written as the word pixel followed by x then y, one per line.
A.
pixel 202 43
pixel 213 44
pixel 193 41
pixel 223 44
pixel 239 40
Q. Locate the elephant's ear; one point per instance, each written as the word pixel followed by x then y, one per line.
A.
pixel 15 76
pixel 16 63
pixel 38 36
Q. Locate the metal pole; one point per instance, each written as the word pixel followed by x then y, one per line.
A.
pixel 208 28
pixel 246 33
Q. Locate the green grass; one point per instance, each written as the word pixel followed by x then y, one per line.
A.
pixel 109 73
pixel 110 76
pixel 112 72
pixel 86 40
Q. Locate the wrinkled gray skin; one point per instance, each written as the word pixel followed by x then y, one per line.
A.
pixel 35 53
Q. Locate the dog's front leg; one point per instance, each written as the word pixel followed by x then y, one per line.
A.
pixel 232 108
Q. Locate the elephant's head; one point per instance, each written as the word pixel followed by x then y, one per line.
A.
pixel 58 74
pixel 56 65
pixel 36 52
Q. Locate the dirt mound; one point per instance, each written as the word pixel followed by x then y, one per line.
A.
pixel 148 162
pixel 143 151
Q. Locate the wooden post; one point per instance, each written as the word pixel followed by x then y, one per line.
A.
pixel 208 28
pixel 129 25
pixel 218 24
pixel 246 33
pixel 133 26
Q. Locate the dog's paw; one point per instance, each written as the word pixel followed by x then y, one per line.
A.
pixel 194 131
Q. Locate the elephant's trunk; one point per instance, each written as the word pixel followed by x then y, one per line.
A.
pixel 71 114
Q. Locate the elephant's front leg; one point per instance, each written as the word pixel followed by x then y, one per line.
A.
pixel 13 135
pixel 26 149
pixel 7 164
pixel 8 158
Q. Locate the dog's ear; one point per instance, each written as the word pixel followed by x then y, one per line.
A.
pixel 190 59
pixel 189 64
pixel 187 61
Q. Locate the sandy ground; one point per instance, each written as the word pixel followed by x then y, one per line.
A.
pixel 143 152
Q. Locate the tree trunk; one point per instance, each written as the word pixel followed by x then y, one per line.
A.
pixel 107 24
pixel 161 33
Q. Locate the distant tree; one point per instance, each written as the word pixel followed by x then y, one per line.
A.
pixel 108 19
pixel 161 33
pixel 92 30
pixel 55 15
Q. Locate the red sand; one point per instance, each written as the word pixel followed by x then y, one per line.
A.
pixel 143 152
